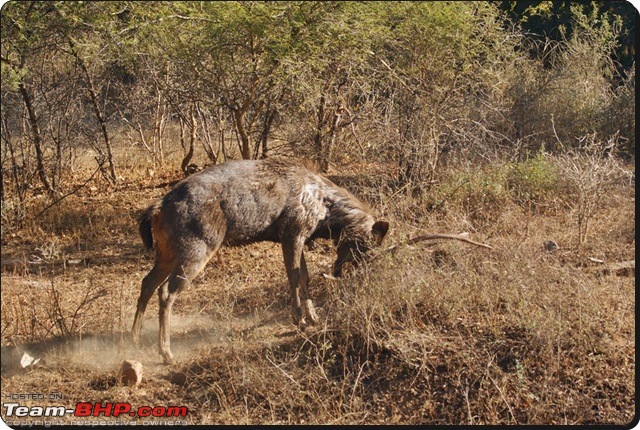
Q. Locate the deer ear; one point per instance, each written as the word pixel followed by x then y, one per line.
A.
pixel 379 231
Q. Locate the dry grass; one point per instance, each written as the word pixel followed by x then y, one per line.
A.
pixel 435 333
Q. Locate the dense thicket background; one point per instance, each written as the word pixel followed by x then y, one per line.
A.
pixel 411 84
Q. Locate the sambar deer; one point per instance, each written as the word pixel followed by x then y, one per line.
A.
pixel 242 202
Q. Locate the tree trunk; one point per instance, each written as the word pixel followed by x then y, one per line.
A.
pixel 328 149
pixel 318 137
pixel 239 116
pixel 207 142
pixel 262 141
pixel 245 149
pixel 98 112
pixel 158 128
pixel 37 138
pixel 187 169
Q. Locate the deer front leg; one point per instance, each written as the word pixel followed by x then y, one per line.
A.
pixel 309 309
pixel 292 253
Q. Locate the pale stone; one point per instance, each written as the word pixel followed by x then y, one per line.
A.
pixel 131 372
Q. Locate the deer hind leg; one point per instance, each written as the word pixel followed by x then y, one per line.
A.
pixel 150 283
pixel 179 278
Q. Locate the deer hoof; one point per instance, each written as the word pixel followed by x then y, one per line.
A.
pixel 296 315
pixel 310 312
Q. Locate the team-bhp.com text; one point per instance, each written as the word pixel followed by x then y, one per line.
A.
pixel 85 409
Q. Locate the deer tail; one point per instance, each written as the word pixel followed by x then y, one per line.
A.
pixel 144 224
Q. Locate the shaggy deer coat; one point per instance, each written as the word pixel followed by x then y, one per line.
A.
pixel 241 202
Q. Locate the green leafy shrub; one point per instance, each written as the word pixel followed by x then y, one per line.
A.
pixel 532 182
pixel 485 194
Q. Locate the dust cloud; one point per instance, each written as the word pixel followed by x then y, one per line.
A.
pixel 106 351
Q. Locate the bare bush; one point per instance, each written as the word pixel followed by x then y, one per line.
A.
pixel 591 171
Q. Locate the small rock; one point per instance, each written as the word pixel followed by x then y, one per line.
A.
pixel 28 360
pixel 550 245
pixel 74 262
pixel 131 373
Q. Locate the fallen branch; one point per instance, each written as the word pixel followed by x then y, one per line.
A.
pixel 463 237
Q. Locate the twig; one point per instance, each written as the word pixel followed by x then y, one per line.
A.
pixel 283 372
pixel 504 399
